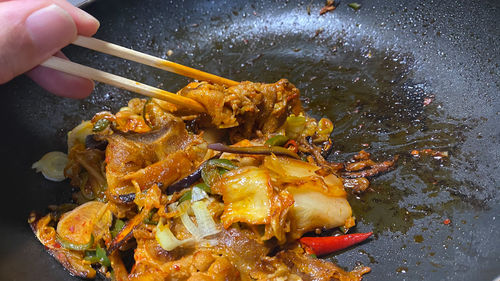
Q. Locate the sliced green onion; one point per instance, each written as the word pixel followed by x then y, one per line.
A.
pixel 210 174
pixel 185 197
pixel 278 140
pixel 76 247
pixel 222 163
pixel 117 227
pixel 167 239
pixel 190 226
pixel 266 150
pixel 198 194
pixel 206 223
pixel 101 255
pixel 100 125
pixel 149 218
pixel 97 256
pixel 203 186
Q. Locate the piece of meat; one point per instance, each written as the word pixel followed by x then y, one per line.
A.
pixel 248 107
pixel 157 157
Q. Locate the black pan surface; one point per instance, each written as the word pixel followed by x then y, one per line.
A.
pixel 370 71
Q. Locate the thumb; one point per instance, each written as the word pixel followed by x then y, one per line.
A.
pixel 30 33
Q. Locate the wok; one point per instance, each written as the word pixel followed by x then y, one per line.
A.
pixel 372 71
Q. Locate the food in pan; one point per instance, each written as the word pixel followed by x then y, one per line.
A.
pixel 240 192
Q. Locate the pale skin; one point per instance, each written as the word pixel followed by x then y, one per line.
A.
pixel 33 30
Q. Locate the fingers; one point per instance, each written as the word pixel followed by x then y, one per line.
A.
pixel 33 30
pixel 86 24
pixel 60 83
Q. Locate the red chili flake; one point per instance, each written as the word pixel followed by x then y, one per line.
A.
pixel 447 221
pixel 57 245
pixel 365 145
pixel 176 267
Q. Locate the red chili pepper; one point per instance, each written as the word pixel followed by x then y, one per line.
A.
pixel 325 245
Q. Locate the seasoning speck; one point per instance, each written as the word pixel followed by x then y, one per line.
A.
pixel 354 5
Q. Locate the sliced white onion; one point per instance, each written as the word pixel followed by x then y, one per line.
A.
pixel 198 194
pixel 206 224
pixel 52 165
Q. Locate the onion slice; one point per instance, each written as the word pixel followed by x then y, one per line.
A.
pixel 52 165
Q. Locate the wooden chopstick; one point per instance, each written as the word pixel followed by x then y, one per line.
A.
pixel 129 54
pixel 120 82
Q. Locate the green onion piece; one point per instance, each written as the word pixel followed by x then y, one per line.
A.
pixel 119 224
pixel 97 256
pixel 101 255
pixel 91 257
pixel 210 174
pixel 149 218
pixel 76 247
pixel 294 126
pixel 203 186
pixel 266 150
pixel 354 5
pixel 222 163
pixel 100 125
pixel 278 140
pixel 185 196
pixel 313 256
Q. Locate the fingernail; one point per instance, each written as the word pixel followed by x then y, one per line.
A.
pixel 84 16
pixel 50 29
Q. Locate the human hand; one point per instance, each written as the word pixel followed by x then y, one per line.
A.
pixel 31 31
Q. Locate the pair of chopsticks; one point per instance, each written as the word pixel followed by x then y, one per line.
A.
pixel 131 85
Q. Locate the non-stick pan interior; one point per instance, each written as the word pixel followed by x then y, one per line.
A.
pixel 393 76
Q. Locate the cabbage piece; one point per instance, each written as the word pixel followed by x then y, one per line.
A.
pixel 247 194
pixel 319 200
pixel 313 209
pixel 294 172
